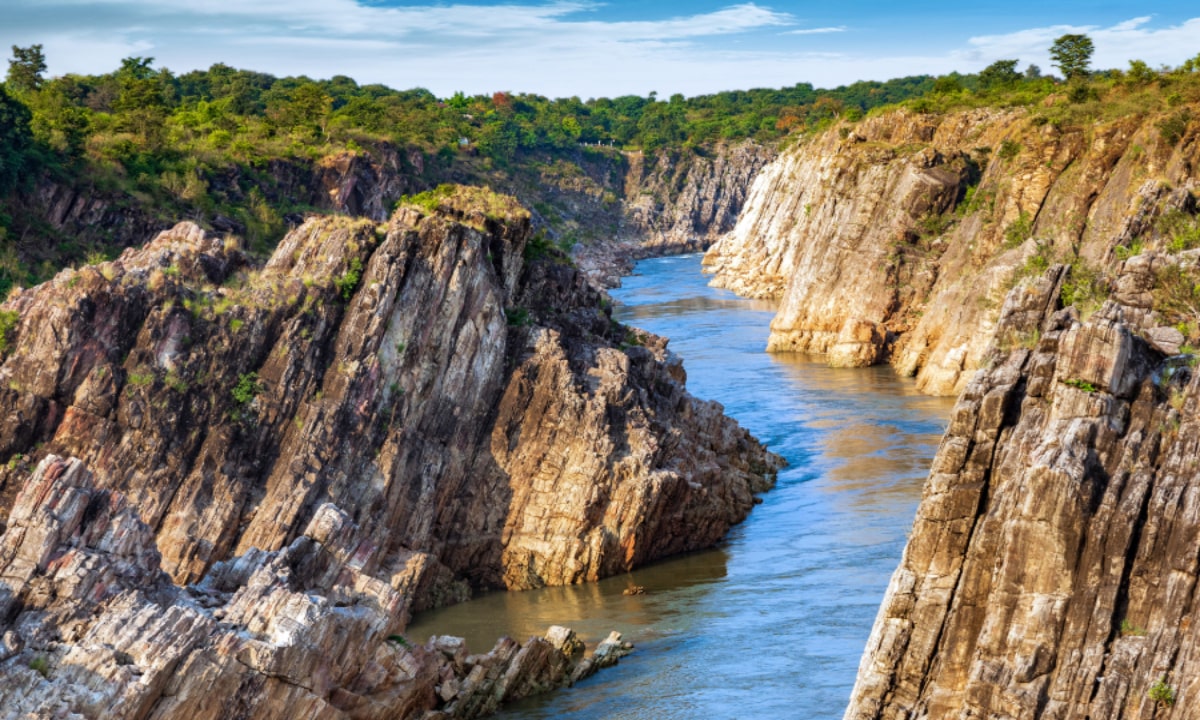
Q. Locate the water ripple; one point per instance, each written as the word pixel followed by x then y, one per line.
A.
pixel 772 623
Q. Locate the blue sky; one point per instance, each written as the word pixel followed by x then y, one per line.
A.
pixel 589 49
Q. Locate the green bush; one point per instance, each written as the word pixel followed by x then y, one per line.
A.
pixel 1018 231
pixel 1085 287
pixel 8 323
pixel 1083 385
pixel 347 282
pixel 247 388
pixel 1162 693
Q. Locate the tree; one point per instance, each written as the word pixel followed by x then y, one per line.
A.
pixel 999 74
pixel 1140 73
pixel 16 140
pixel 1072 54
pixel 1033 72
pixel 26 68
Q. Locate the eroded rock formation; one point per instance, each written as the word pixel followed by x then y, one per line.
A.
pixel 1052 568
pixel 917 225
pixel 99 631
pixel 376 420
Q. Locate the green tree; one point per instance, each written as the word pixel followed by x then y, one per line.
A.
pixel 16 140
pixel 26 68
pixel 1140 73
pixel 999 74
pixel 1072 54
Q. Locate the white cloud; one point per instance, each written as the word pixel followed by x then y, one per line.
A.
pixel 817 31
pixel 555 48
pixel 1115 46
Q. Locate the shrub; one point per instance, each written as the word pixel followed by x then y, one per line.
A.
pixel 40 665
pixel 1162 693
pixel 347 282
pixel 1171 129
pixel 1179 230
pixel 247 388
pixel 1085 287
pixel 8 323
pixel 518 317
pixel 1008 149
pixel 1083 385
pixel 1176 295
pixel 1018 230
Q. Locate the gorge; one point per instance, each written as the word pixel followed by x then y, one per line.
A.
pixel 228 481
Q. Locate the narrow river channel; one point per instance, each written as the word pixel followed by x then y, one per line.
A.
pixel 772 623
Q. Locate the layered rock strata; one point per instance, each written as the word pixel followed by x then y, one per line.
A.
pixel 93 628
pixel 1052 568
pixel 435 404
pixel 675 203
pixel 896 238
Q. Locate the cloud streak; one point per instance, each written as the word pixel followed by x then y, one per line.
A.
pixel 556 48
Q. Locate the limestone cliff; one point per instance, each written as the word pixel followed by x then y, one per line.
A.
pixel 374 421
pixel 897 237
pixel 1052 568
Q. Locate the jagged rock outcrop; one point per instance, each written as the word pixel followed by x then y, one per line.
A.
pixel 919 224
pixel 376 420
pixel 1052 568
pixel 93 628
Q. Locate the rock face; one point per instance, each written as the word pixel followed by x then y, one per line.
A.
pixel 671 202
pixel 919 225
pixel 619 206
pixel 95 629
pixel 375 421
pixel 363 184
pixel 1051 571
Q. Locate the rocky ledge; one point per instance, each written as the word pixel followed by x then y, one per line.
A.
pixel 1052 568
pixel 228 485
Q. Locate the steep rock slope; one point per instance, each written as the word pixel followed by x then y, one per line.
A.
pixel 464 414
pixel 897 238
pixel 1052 568
pixel 403 371
pixel 99 631
pixel 674 202
pixel 615 206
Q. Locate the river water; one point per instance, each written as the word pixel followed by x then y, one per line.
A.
pixel 772 623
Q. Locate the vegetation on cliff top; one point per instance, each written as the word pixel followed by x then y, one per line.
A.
pixel 215 143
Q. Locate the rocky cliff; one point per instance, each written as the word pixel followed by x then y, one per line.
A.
pixel 896 238
pixel 1052 568
pixel 674 202
pixel 271 466
pixel 614 207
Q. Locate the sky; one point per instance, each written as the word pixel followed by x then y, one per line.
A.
pixel 562 48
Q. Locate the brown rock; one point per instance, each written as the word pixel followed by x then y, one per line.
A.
pixel 1048 574
pixel 374 422
pixel 878 229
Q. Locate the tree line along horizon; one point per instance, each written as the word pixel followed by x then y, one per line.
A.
pixel 148 133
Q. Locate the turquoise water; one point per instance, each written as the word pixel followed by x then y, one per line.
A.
pixel 772 623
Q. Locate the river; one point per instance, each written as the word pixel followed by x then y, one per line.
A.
pixel 772 623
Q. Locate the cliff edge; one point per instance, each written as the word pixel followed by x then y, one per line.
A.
pixel 896 239
pixel 1051 570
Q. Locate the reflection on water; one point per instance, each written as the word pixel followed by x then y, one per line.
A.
pixel 771 624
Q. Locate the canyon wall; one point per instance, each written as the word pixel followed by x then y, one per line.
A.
pixel 896 238
pixel 613 206
pixel 270 467
pixel 1052 568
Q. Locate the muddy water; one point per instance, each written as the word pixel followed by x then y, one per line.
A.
pixel 772 624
